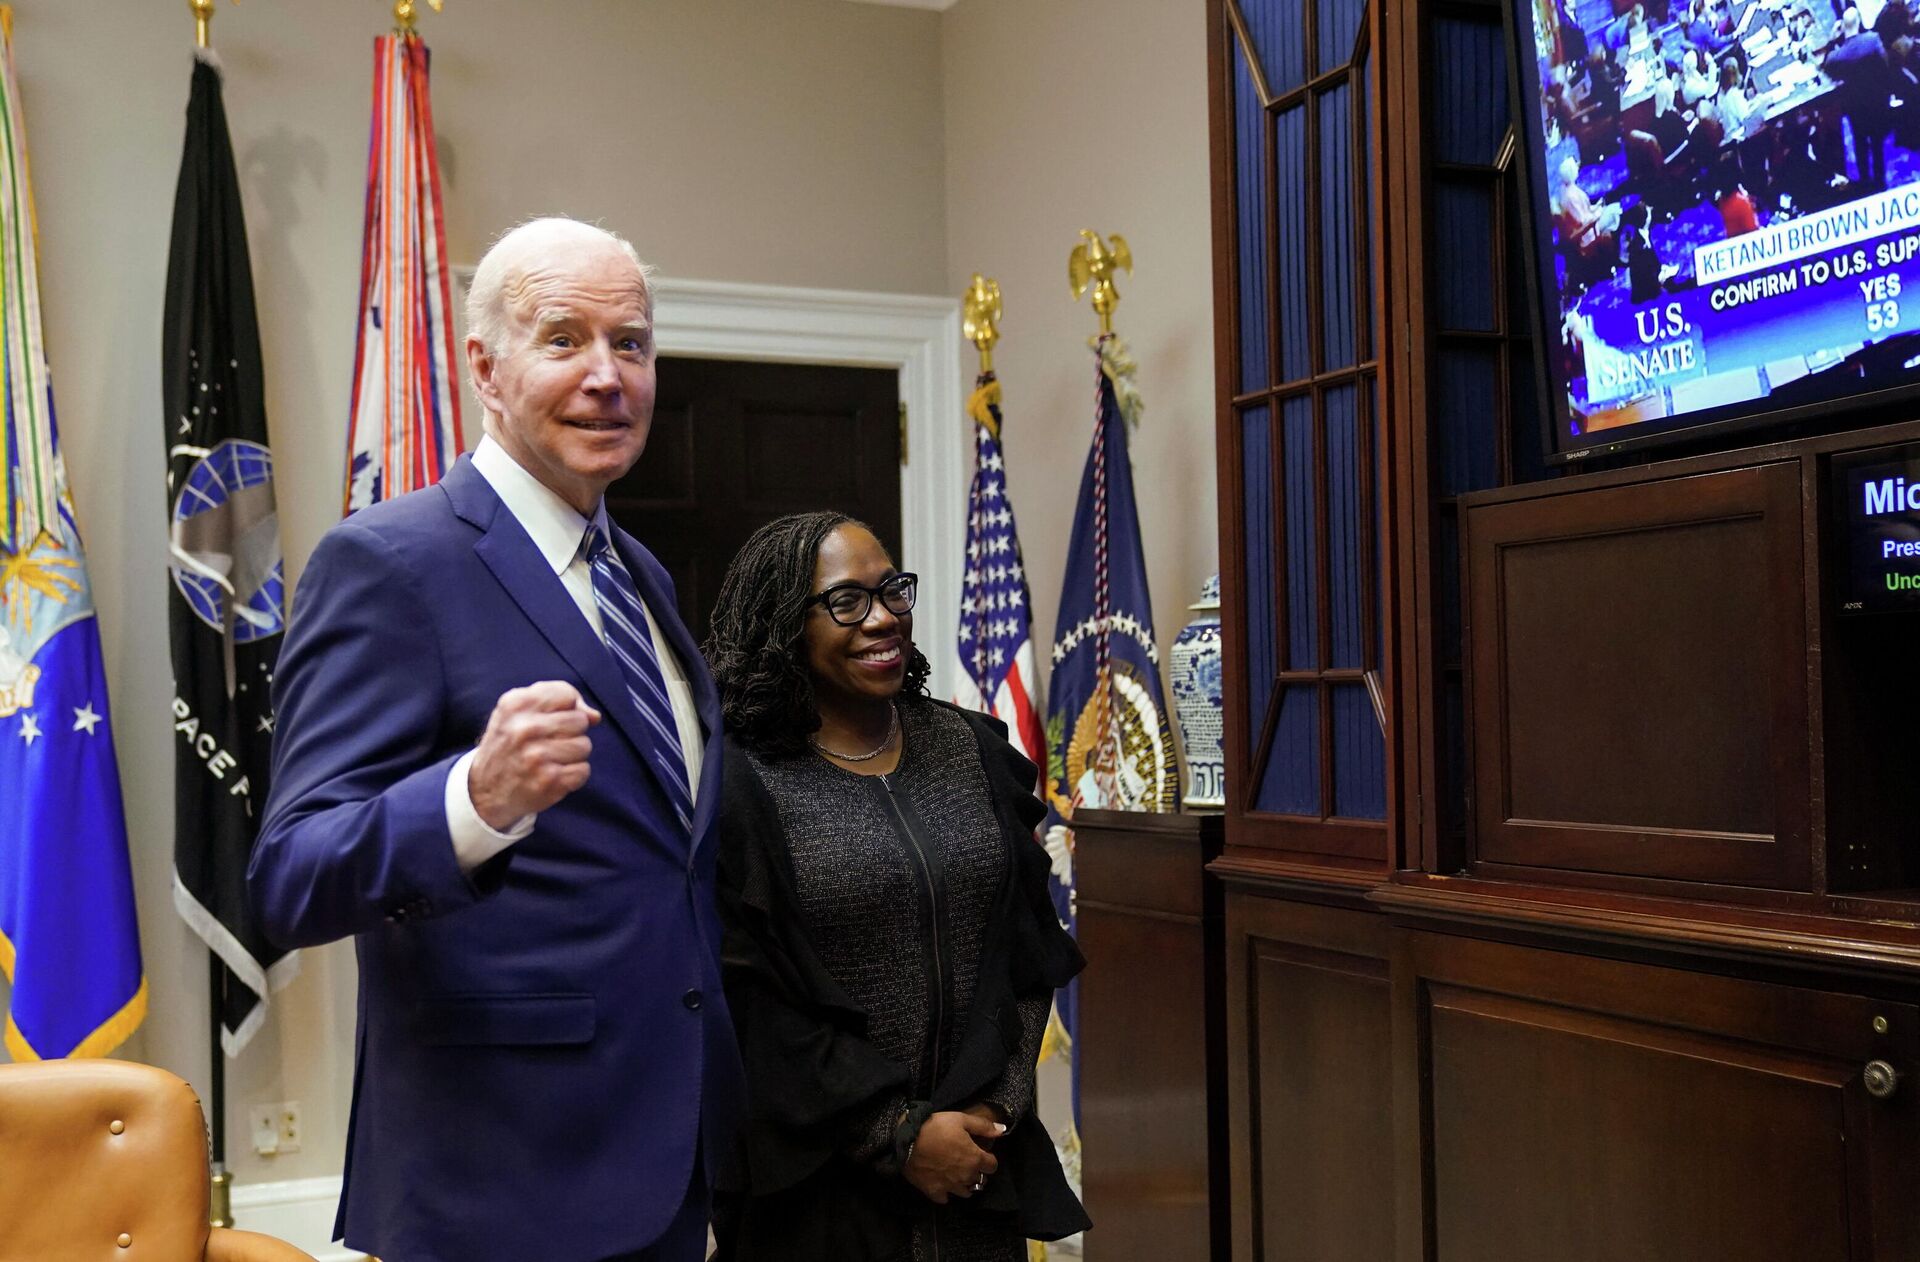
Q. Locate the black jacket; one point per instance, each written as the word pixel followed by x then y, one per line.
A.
pixel 789 1193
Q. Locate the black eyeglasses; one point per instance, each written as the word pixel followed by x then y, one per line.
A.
pixel 849 604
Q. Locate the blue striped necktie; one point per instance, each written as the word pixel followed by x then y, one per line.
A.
pixel 623 623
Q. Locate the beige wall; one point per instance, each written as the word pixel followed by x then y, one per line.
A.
pixel 1071 114
pixel 800 142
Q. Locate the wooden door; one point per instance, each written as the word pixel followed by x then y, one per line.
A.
pixel 735 445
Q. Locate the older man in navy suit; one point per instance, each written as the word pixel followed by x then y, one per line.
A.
pixel 496 768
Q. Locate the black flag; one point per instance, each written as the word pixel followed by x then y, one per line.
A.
pixel 226 608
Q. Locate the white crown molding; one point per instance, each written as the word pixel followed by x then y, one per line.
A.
pixel 937 6
pixel 917 336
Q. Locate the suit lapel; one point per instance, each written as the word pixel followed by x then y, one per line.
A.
pixel 506 549
pixel 706 700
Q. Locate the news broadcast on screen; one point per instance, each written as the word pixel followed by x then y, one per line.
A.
pixel 1726 204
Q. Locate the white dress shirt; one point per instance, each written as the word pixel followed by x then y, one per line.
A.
pixel 557 530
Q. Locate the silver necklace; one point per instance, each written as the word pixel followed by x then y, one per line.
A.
pixel 886 742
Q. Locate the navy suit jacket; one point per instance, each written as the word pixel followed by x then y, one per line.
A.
pixel 543 1046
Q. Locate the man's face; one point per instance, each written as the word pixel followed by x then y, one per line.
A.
pixel 572 385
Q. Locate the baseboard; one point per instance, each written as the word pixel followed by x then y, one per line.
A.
pixel 298 1211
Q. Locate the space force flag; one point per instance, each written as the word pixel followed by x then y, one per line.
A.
pixel 997 673
pixel 404 429
pixel 69 945
pixel 226 602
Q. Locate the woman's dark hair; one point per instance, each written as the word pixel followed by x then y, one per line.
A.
pixel 753 642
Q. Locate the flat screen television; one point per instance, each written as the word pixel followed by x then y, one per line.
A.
pixel 1725 210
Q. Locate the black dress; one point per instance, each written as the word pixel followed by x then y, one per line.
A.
pixel 890 948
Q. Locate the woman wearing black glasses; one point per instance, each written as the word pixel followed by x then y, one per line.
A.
pixel 891 952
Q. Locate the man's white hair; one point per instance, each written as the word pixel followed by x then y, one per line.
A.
pixel 507 259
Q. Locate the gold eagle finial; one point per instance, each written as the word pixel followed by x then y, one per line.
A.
pixel 405 14
pixel 1092 265
pixel 980 317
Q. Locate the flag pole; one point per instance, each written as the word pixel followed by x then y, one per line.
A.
pixel 220 1183
pixel 221 1214
pixel 203 22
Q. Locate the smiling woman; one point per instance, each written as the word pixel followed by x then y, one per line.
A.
pixel 891 951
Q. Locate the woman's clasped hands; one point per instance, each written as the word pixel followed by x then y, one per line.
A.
pixel 953 1155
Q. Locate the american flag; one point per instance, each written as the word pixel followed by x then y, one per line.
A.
pixel 404 428
pixel 996 612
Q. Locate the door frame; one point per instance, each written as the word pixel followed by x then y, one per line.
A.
pixel 919 336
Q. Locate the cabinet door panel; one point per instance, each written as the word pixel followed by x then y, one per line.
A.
pixel 1637 666
pixel 1309 1057
pixel 1588 1110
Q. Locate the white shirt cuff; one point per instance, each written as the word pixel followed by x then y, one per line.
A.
pixel 474 840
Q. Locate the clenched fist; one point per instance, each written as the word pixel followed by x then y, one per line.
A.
pixel 533 754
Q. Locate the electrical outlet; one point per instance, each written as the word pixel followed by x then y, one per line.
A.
pixel 290 1127
pixel 263 1120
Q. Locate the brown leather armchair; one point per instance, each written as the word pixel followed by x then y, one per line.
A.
pixel 105 1161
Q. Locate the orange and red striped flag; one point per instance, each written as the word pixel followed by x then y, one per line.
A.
pixel 405 428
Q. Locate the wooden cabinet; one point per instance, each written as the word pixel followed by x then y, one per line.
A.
pixel 1151 1058
pixel 1588 1110
pixel 1572 862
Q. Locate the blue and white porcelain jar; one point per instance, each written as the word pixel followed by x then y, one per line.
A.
pixel 1198 695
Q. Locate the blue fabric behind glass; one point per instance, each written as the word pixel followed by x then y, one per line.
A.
pixel 1279 28
pixel 1468 410
pixel 1291 782
pixel 1447 561
pixel 1366 207
pixel 1339 24
pixel 1256 463
pixel 1470 103
pixel 1463 241
pixel 1303 614
pixel 1250 160
pixel 1379 533
pixel 1345 563
pixel 1359 755
pixel 1336 227
pixel 1290 169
